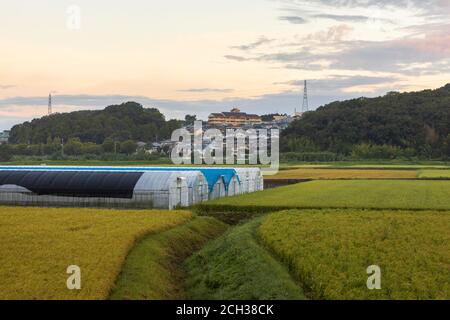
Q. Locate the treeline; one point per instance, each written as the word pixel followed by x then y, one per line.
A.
pixel 397 125
pixel 128 121
pixel 74 148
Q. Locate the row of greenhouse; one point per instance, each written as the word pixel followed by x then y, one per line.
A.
pixel 127 187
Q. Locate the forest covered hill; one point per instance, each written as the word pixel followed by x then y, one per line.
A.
pixel 416 123
pixel 128 121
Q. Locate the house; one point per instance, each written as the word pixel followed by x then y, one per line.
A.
pixel 4 137
pixel 234 118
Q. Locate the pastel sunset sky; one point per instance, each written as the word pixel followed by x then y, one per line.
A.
pixel 203 56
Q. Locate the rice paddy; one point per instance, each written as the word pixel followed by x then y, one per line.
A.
pixel 37 245
pixel 325 174
pixel 329 251
pixel 436 174
pixel 365 194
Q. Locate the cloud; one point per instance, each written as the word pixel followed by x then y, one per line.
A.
pixel 332 49
pixel 356 10
pixel 339 84
pixel 334 33
pixel 261 41
pixel 393 55
pixel 353 18
pixel 6 86
pixel 206 90
pixel 424 4
pixel 236 58
pixel 293 19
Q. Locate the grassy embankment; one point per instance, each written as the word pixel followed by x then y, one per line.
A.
pixel 330 251
pixel 153 269
pixel 236 266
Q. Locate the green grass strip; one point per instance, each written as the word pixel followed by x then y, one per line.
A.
pixel 153 269
pixel 236 267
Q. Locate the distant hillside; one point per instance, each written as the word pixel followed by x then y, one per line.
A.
pixel 417 121
pixel 121 122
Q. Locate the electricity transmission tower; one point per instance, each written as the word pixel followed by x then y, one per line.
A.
pixel 305 107
pixel 50 111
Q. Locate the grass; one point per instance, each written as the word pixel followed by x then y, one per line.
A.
pixel 330 250
pixel 38 244
pixel 236 267
pixel 323 174
pixel 153 269
pixel 162 162
pixel 445 174
pixel 369 194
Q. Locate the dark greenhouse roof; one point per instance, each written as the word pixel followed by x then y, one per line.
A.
pixel 74 183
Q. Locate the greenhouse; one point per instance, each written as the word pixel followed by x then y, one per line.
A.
pixel 212 175
pixel 251 179
pixel 147 187
pixel 218 189
pixel 164 190
pixel 234 186
pixel 244 177
pixel 197 185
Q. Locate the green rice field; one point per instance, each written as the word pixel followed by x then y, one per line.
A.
pixel 368 194
pixel 445 174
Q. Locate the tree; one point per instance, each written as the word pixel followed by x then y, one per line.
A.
pixel 73 147
pixel 447 147
pixel 128 147
pixel 190 119
pixel 91 148
pixel 5 152
pixel 108 145
pixel 52 146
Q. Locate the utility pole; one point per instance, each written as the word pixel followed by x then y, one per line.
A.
pixel 62 146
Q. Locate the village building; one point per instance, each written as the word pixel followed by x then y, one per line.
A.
pixel 234 118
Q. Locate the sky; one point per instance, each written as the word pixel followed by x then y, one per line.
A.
pixel 203 56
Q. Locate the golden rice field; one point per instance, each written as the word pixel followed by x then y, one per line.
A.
pixel 329 252
pixel 401 166
pixel 323 174
pixel 38 244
